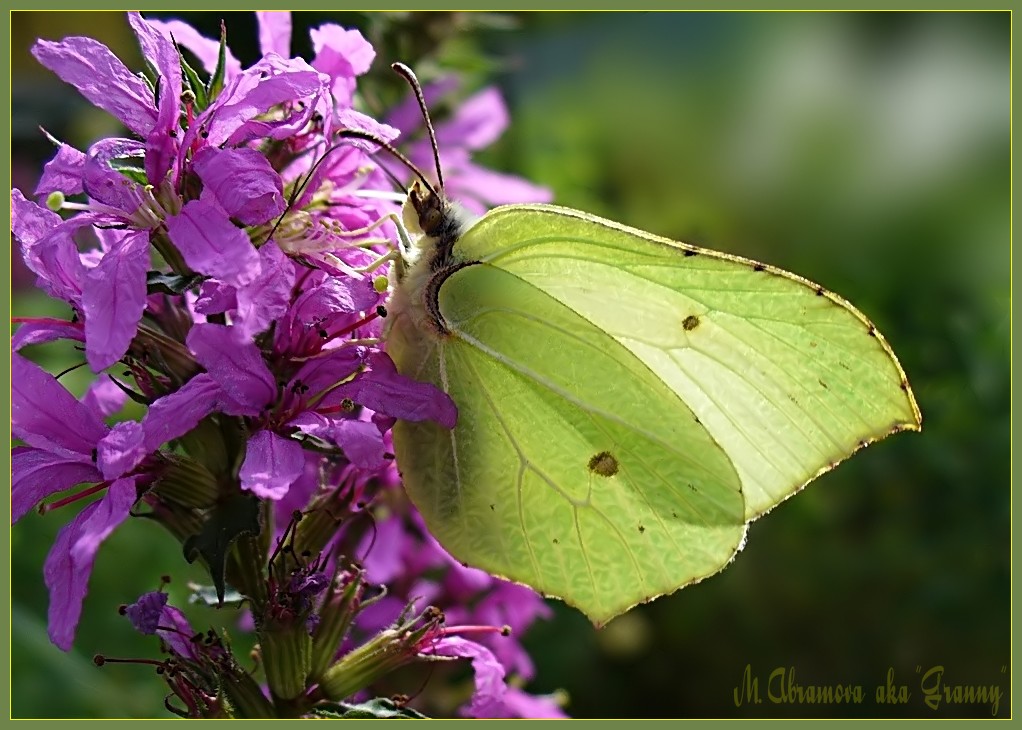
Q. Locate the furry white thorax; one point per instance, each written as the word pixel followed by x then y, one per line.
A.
pixel 417 265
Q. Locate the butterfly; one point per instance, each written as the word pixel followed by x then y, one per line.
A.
pixel 627 404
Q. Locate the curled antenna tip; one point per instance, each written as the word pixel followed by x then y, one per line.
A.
pixel 408 75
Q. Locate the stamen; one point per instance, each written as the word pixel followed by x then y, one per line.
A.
pixel 45 508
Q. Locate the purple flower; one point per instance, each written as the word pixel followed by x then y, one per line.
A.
pixel 256 351
pixel 311 403
pixel 67 444
pixel 69 564
pixel 151 614
pixel 488 698
pixel 145 613
pixel 243 183
pixel 492 697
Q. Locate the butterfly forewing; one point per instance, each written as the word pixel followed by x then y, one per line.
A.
pixel 788 378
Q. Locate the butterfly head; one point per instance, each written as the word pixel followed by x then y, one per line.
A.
pixel 440 220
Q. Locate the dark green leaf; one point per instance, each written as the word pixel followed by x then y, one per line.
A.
pixel 238 516
pixel 216 81
pixel 130 170
pixel 194 83
pixel 159 283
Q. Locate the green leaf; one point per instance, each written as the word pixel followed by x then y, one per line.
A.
pixel 208 596
pixel 158 282
pixel 379 708
pixel 216 81
pixel 225 523
pixel 130 169
pixel 193 82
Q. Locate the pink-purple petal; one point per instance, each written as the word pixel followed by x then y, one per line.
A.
pixel 236 365
pixel 479 121
pixel 342 55
pixel 101 78
pixel 39 331
pixel 177 413
pixel 48 248
pixel 107 185
pixel 45 415
pixel 329 368
pixel 36 474
pixel 104 398
pixel 488 698
pixel 122 449
pixel 243 183
pixel 274 32
pixel 144 613
pixel 271 81
pixel 519 703
pixel 361 442
pixel 113 299
pixel 479 188
pixel 271 464
pixel 216 297
pixel 211 244
pixel 206 50
pixel 382 389
pixel 178 633
pixel 161 145
pixel 69 564
pixel 382 551
pixel 266 299
pixel 64 172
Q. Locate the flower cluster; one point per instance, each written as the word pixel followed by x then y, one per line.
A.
pixel 236 276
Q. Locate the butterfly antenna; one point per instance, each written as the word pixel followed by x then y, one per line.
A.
pixel 407 74
pixel 369 137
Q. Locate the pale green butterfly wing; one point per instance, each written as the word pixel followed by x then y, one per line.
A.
pixel 572 468
pixel 788 378
pixel 712 387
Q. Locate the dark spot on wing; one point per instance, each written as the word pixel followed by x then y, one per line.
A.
pixel 759 267
pixel 690 323
pixel 689 252
pixel 493 506
pixel 556 541
pixel 819 291
pixel 822 383
pixel 872 331
pixel 641 528
pixel 603 464
pixel 904 385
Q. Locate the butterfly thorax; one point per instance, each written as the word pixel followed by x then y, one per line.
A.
pixel 436 224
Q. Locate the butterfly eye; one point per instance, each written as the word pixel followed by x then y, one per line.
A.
pixel 429 220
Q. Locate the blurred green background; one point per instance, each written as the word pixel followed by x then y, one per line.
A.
pixel 867 152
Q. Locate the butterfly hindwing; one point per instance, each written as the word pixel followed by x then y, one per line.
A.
pixel 572 468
